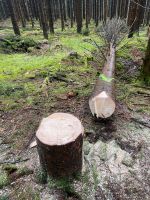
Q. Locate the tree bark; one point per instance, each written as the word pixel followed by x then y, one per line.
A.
pixel 61 14
pixel 102 101
pixel 146 64
pixel 43 18
pixel 87 12
pixel 13 17
pixel 78 4
pixel 50 16
pixel 59 139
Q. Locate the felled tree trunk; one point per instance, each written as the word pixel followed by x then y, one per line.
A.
pixel 102 101
pixel 59 140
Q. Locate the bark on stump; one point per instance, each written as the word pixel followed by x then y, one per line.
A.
pixel 59 142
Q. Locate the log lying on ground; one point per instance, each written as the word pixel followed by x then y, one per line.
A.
pixel 59 141
pixel 102 100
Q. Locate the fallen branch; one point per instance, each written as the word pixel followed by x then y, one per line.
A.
pixel 14 161
pixel 142 122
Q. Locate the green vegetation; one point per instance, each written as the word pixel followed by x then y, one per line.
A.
pixel 26 193
pixel 33 77
pixel 40 176
pixel 3 180
pixel 4 197
pixel 12 44
pixel 63 184
pixel 24 171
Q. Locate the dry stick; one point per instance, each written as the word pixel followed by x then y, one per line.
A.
pixel 144 123
pixel 14 161
pixel 90 52
pixel 97 47
pixel 148 8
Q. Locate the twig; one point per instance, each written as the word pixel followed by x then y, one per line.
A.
pixel 144 87
pixel 144 123
pixel 147 8
pixel 14 161
pixel 91 52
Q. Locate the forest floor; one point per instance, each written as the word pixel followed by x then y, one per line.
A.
pixel 53 78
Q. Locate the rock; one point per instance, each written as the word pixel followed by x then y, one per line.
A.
pixel 89 132
pixel 62 96
pixel 127 160
pixel 1 140
pixel 30 49
pixel 44 41
pixel 30 75
pixel 115 156
pixel 33 144
pixel 101 150
pixel 59 46
pixel 73 54
pixel 111 154
pixel 72 94
pixel 98 153
pixel 87 147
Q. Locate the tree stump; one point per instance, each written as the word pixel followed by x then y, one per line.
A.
pixel 59 142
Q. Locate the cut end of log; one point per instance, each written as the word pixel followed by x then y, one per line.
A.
pixel 59 129
pixel 102 105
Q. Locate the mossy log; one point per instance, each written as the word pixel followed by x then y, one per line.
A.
pixel 59 142
pixel 102 100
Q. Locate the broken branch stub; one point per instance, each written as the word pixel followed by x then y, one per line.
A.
pixel 59 142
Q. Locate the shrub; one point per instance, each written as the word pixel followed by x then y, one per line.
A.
pixel 85 32
pixel 13 43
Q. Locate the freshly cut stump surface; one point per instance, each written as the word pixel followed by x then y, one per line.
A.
pixel 59 142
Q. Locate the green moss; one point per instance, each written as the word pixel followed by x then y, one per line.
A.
pixel 4 181
pixel 16 66
pixel 119 66
pixel 40 176
pixel 10 168
pixel 64 184
pixel 4 197
pixel 24 171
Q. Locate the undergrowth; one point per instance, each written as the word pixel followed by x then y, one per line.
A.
pixel 27 77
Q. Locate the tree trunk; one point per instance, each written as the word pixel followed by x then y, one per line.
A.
pixel 59 139
pixel 50 16
pixel 13 17
pixel 61 14
pixel 71 12
pixel 132 18
pixel 146 64
pixel 105 10
pixel 87 12
pixel 97 13
pixel 102 101
pixel 43 18
pixel 78 4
